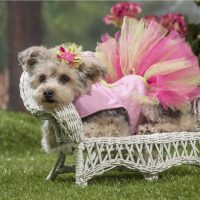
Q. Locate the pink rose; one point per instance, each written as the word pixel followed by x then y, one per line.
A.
pixel 175 22
pixel 119 10
pixel 111 19
pixel 106 36
pixel 117 35
pixel 126 9
pixel 152 18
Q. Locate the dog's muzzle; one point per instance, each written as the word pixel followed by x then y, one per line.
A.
pixel 49 96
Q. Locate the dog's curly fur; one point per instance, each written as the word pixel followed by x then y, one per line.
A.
pixel 160 120
pixel 66 83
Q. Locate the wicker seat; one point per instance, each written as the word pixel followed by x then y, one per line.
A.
pixel 148 154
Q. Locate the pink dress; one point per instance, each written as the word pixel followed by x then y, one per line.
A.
pixel 122 93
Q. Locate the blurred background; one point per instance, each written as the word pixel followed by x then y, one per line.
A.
pixel 49 23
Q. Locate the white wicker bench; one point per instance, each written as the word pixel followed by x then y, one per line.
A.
pixel 148 154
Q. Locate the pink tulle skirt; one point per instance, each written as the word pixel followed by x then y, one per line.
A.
pixel 165 62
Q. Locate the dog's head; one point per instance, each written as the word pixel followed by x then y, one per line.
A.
pixel 56 83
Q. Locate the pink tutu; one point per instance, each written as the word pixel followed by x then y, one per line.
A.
pixel 165 62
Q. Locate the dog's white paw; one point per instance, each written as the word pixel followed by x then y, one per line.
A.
pixel 144 129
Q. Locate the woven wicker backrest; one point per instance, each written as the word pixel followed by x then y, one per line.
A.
pixel 27 95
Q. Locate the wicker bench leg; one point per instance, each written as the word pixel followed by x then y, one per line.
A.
pixel 79 167
pixel 59 164
pixel 150 177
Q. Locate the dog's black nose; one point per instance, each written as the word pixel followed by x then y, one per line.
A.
pixel 48 94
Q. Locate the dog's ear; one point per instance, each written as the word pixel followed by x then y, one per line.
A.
pixel 91 68
pixel 29 57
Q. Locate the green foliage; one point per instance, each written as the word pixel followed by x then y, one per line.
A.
pixel 193 37
pixel 3 45
pixel 75 21
pixel 64 21
pixel 19 132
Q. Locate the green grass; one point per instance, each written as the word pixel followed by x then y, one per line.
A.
pixel 24 167
pixel 19 132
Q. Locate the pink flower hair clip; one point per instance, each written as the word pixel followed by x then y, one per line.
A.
pixel 70 55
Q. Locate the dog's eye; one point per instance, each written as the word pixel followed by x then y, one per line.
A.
pixel 42 78
pixel 64 79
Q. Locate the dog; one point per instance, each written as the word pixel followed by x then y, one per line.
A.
pixel 56 84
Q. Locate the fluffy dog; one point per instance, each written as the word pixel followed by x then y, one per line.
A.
pixel 56 84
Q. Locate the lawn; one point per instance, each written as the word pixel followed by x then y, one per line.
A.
pixel 24 166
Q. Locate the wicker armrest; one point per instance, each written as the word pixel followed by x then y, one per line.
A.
pixel 70 123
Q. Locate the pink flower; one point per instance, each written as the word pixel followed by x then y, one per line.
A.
pixel 125 9
pixel 111 19
pixel 174 21
pixel 117 35
pixel 119 10
pixel 66 55
pixel 152 18
pixel 106 36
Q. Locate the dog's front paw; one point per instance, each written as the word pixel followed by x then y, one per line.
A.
pixel 144 129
